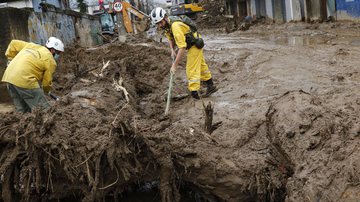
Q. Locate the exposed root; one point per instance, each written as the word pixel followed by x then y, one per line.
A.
pixel 117 84
pixel 168 189
pixel 41 163
pixel 7 190
pixel 105 65
pixel 115 119
pixel 117 179
pixel 208 111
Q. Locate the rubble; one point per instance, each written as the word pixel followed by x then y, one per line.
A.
pixel 289 117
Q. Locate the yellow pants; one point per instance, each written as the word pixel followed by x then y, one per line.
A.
pixel 196 68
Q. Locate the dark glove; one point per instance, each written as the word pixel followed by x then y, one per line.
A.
pixel 47 89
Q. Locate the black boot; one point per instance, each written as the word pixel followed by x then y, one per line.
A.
pixel 209 82
pixel 195 95
pixel 211 88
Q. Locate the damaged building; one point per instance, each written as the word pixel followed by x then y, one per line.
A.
pixel 294 10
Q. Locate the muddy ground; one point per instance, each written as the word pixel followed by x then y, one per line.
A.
pixel 287 114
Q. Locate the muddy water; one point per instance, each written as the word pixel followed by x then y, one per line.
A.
pixel 298 40
pixel 355 42
pixel 253 69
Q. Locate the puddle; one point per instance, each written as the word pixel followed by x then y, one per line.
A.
pixel 297 40
pixel 227 42
pixel 355 42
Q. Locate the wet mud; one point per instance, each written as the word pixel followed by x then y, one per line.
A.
pixel 287 102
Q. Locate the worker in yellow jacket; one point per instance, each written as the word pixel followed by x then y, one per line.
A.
pixel 177 33
pixel 29 72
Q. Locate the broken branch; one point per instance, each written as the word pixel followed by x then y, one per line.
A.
pixel 117 84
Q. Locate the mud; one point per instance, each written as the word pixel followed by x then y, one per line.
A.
pixel 287 100
pixel 213 17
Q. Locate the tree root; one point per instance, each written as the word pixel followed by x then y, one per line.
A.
pixel 168 189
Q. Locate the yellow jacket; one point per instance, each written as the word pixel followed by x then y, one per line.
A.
pixel 30 64
pixel 177 33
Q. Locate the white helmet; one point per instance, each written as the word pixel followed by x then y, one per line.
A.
pixel 157 14
pixel 55 43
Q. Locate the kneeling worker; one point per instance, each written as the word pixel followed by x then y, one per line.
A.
pixel 29 72
pixel 181 35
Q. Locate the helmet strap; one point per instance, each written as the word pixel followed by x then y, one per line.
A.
pixel 167 24
pixel 52 51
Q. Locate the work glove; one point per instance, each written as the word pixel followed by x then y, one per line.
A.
pixel 46 89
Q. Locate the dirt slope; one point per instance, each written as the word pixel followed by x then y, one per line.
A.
pixel 288 103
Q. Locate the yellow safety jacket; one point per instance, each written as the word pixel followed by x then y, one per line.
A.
pixel 177 32
pixel 30 64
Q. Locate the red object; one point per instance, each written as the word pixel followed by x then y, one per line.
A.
pixel 101 5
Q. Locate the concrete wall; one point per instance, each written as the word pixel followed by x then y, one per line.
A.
pixel 312 10
pixel 348 10
pixel 278 10
pixel 293 10
pixel 269 9
pixel 259 8
pixel 289 11
pixel 331 9
pixel 300 10
pixel 86 30
pixel 51 24
pixel 25 24
pixel 35 4
pixel 13 26
pixel 252 7
pixel 20 4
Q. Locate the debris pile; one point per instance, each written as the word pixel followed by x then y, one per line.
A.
pixel 89 144
pixel 106 138
pixel 214 15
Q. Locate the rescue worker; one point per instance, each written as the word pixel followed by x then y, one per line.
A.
pixel 196 68
pixel 29 72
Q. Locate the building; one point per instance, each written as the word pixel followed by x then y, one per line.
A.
pixel 295 10
pixel 35 4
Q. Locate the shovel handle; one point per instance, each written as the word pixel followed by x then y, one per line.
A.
pixel 169 94
pixel 167 108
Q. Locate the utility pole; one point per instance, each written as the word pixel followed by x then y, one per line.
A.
pixel 118 8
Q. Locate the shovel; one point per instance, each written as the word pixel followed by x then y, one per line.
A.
pixel 169 91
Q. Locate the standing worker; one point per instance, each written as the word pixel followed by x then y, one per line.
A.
pixel 181 35
pixel 29 72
